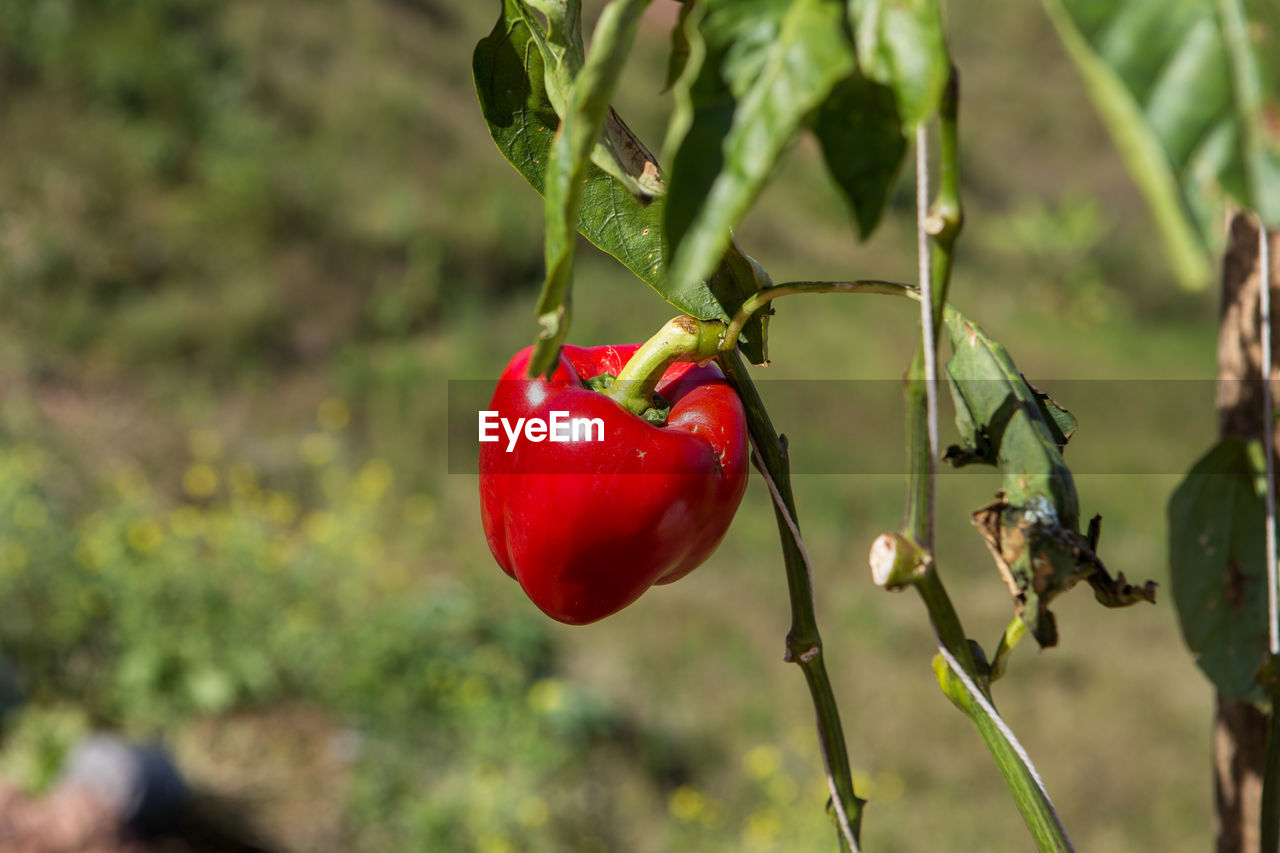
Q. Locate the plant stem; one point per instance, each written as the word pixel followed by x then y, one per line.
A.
pixel 937 230
pixel 926 370
pixel 804 644
pixel 956 668
pixel 917 516
pixel 1016 767
pixel 680 339
pixel 763 297
pixel 1012 636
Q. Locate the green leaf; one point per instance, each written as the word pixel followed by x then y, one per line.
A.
pixel 862 141
pixel 737 277
pixel 1217 564
pixel 564 54
pixel 683 37
pixel 1001 417
pixel 510 75
pixel 901 44
pixel 1062 424
pixel 1191 94
pixel 580 129
pixel 1255 75
pixel 561 46
pixel 767 65
pixel 1033 527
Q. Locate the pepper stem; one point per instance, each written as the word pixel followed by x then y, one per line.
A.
pixel 683 338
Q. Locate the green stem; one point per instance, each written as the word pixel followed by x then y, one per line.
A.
pixel 946 623
pixel 946 215
pixel 958 673
pixel 680 339
pixel 804 644
pixel 942 225
pixel 766 295
pixel 1027 788
pixel 1012 635
pixel 917 511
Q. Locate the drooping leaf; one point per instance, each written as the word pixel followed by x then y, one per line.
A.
pixel 510 70
pixel 1217 565
pixel 901 44
pixel 563 55
pixel 581 127
pixel 561 46
pixel 1191 94
pixel 1032 529
pixel 765 65
pixel 1253 48
pixel 510 76
pixel 1001 418
pixel 863 144
pixel 682 44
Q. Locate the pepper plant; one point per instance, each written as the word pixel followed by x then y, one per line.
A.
pixel 1193 107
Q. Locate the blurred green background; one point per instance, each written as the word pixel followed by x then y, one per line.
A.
pixel 243 248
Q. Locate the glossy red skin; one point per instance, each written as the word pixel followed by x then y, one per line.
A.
pixel 587 527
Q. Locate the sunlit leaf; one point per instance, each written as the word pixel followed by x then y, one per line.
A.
pixel 767 64
pixel 509 69
pixel 581 127
pixel 1191 94
pixel 901 44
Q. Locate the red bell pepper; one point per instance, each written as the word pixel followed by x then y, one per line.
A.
pixel 587 524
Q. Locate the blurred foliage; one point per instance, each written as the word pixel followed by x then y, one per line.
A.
pixel 38 743
pixel 145 613
pixel 1059 244
pixel 164 151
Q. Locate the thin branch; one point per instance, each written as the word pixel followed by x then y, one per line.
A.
pixel 758 460
pixel 1268 431
pixel 842 817
pixel 1009 736
pixel 763 297
pixel 804 643
pixel 928 334
pixel 937 229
